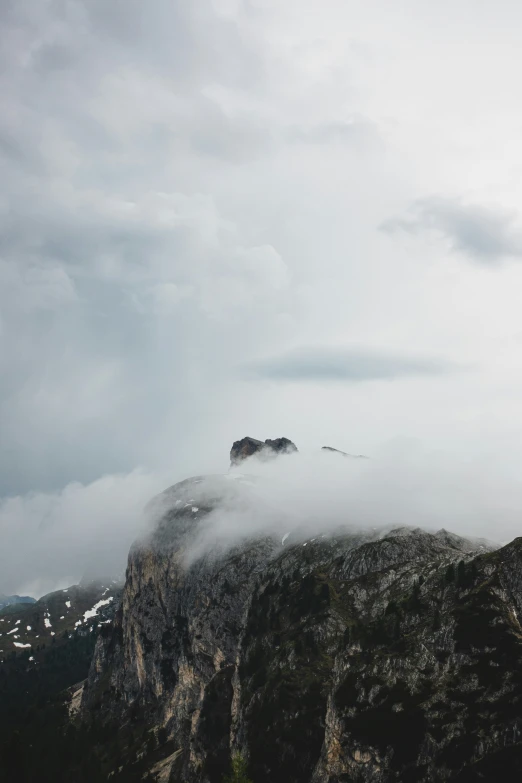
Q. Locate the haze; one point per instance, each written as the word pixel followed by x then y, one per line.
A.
pixel 224 218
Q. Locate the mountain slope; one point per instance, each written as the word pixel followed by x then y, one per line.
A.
pixel 28 626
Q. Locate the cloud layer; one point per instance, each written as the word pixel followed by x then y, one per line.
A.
pixel 190 188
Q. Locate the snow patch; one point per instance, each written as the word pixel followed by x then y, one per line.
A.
pixel 284 537
pixel 94 611
pixel 19 644
pixel 68 604
pixel 47 622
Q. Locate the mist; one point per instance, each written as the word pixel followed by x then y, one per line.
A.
pixel 53 540
pixel 307 494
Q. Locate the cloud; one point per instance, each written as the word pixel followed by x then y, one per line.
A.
pixel 486 236
pixel 101 303
pixel 55 539
pixel 354 131
pixel 307 494
pixel 324 364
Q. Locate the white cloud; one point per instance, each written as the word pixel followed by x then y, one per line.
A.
pixel 54 539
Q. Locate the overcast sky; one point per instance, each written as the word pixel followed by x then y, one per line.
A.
pixel 229 217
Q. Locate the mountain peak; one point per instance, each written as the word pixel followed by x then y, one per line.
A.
pixel 246 447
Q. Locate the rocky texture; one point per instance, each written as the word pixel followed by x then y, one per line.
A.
pixel 247 447
pixel 343 453
pixel 355 656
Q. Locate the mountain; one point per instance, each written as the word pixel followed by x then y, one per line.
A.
pixel 28 626
pixel 352 655
pixel 9 600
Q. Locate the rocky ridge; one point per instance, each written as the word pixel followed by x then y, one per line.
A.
pixel 343 453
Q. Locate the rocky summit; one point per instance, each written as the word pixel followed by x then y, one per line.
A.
pixel 247 447
pixel 348 655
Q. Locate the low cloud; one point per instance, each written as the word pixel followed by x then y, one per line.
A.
pixel 310 494
pixel 485 235
pixel 348 365
pixel 52 540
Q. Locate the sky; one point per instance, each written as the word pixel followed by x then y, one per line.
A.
pixel 233 217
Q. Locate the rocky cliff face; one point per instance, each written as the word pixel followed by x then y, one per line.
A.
pixel 348 656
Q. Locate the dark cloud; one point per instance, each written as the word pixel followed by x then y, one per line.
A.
pixel 345 365
pixel 485 235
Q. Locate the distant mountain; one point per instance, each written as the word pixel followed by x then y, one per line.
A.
pixel 45 648
pixel 343 453
pixel 32 626
pixel 8 600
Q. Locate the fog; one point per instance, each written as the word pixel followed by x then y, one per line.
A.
pixel 318 492
pixel 53 540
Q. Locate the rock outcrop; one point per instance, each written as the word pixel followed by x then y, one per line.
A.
pixel 247 447
pixel 356 656
pixel 343 453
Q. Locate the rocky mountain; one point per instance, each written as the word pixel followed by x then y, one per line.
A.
pixel 348 655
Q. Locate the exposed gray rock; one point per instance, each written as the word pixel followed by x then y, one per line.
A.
pixel 247 447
